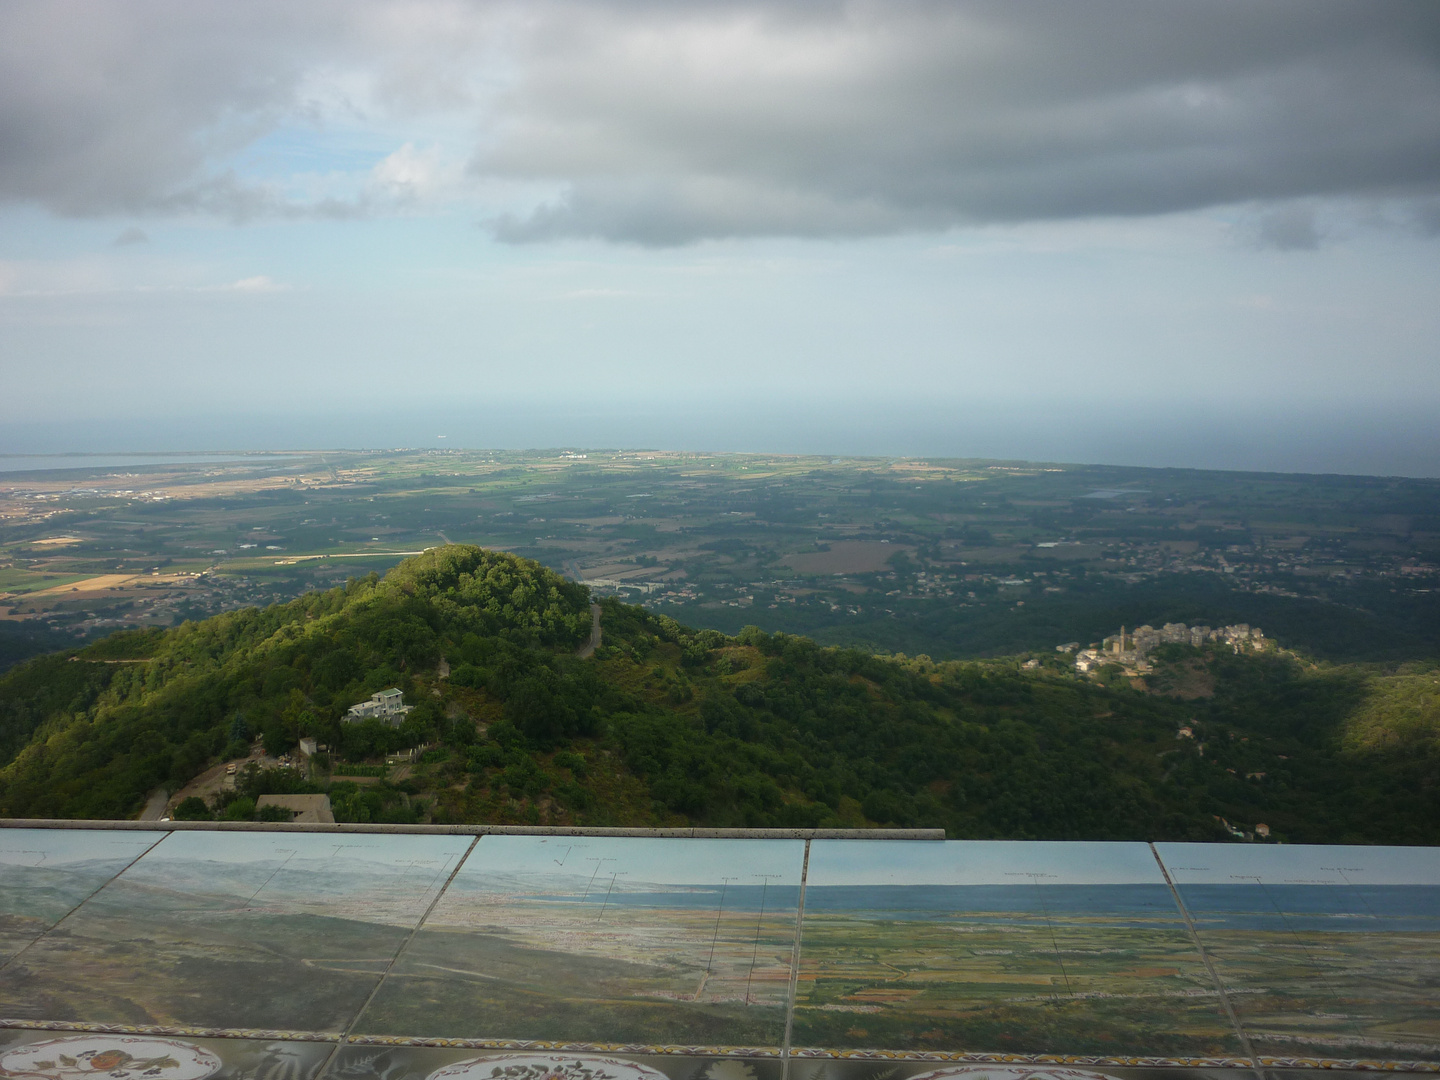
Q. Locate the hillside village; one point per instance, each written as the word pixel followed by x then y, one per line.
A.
pixel 1131 650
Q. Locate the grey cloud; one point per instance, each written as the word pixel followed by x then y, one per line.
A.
pixel 130 237
pixel 134 108
pixel 675 124
pixel 1425 216
pixel 109 107
pixel 671 210
pixel 227 196
pixel 664 123
pixel 1289 228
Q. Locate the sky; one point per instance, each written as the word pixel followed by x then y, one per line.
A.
pixel 429 853
pixel 662 861
pixel 981 862
pixel 56 847
pixel 1225 864
pixel 1200 233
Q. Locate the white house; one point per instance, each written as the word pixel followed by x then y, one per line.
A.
pixel 387 705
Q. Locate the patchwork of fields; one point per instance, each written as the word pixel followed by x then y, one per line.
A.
pixel 949 558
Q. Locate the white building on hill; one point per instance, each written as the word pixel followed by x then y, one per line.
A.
pixel 387 705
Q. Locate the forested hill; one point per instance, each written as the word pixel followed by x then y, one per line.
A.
pixel 664 725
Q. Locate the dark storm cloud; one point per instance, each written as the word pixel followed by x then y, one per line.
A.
pixel 667 123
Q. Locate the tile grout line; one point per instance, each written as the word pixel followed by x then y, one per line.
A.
pixel 794 967
pixel 55 925
pixel 1209 966
pixel 350 1028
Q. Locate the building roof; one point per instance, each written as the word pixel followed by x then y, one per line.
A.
pixel 307 808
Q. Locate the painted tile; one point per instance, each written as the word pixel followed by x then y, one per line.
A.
pixel 604 940
pixel 452 1063
pixel 49 1055
pixel 435 1063
pixel 1001 948
pixel 889 1068
pixel 46 873
pixel 1327 952
pixel 276 931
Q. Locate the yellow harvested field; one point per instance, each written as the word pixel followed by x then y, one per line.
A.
pixel 94 584
pixel 57 541
pixel 847 557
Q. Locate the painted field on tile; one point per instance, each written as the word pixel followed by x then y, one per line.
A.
pixel 604 940
pixel 1330 951
pixel 1001 948
pixel 240 930
pixel 46 873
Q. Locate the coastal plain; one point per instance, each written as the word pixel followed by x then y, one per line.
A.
pixel 951 558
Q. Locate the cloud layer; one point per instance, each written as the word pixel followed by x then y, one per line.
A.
pixel 660 123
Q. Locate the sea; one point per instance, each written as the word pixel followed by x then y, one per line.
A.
pixel 1328 908
pixel 24 463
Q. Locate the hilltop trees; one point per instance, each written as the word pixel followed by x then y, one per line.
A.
pixel 96 736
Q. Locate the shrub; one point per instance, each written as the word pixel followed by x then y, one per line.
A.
pixel 192 809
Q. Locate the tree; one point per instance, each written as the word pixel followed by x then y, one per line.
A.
pixel 192 809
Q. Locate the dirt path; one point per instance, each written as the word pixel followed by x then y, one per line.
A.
pixel 588 649
pixel 213 779
pixel 155 805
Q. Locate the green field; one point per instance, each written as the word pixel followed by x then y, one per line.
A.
pixel 13 580
pixel 1092 984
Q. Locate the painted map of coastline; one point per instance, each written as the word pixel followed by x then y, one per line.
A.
pixel 46 873
pixel 272 931
pixel 1002 948
pixel 604 940
pixel 1324 951
pixel 969 947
